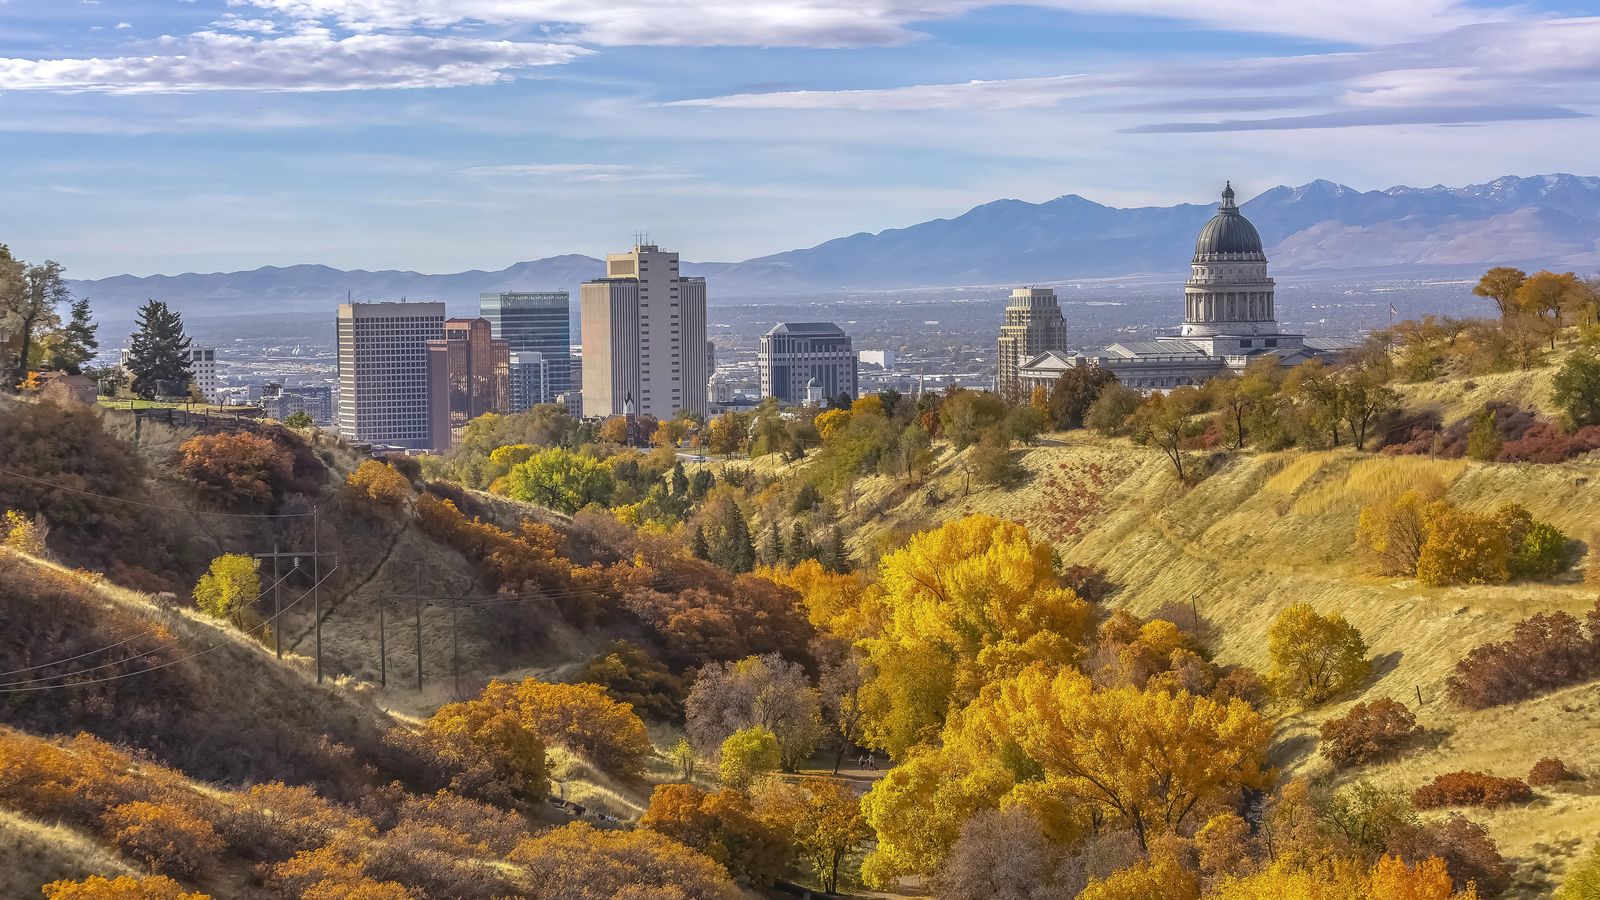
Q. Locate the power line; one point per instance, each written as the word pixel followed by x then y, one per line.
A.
pixel 112 647
pixel 157 506
pixel 168 664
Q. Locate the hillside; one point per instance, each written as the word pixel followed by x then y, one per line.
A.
pixel 1271 529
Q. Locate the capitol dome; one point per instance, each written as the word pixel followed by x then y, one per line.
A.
pixel 1228 232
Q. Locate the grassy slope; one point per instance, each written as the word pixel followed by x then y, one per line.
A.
pixel 1271 529
pixel 36 854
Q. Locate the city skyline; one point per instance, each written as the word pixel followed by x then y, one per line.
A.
pixel 289 131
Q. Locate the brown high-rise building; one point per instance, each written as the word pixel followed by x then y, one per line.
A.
pixel 469 374
pixel 1033 325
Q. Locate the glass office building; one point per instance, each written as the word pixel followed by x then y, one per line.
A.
pixel 540 323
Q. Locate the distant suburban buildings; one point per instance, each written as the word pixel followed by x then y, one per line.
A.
pixel 203 368
pixel 538 323
pixel 883 359
pixel 1230 320
pixel 1033 326
pixel 794 354
pixel 468 375
pixel 644 337
pixel 383 383
pixel 279 402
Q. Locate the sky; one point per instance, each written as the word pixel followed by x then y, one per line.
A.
pixel 167 136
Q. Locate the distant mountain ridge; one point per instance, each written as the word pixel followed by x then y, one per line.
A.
pixel 1316 228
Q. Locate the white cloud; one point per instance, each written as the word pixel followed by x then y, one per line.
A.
pixel 123 26
pixel 851 23
pixel 585 172
pixel 1504 71
pixel 311 61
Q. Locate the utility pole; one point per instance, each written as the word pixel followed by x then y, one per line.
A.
pixel 383 651
pixel 295 556
pixel 277 607
pixel 419 645
pixel 455 641
pixel 316 581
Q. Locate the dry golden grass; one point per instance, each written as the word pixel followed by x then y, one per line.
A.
pixel 33 853
pixel 1268 530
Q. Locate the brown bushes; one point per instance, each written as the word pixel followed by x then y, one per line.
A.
pixel 1471 789
pixel 379 485
pixel 167 837
pixel 1551 770
pixel 237 469
pixel 1464 845
pixel 1368 732
pixel 1545 652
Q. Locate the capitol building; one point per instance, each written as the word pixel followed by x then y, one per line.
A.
pixel 1229 320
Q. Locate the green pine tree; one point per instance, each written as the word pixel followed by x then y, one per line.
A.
pixel 680 481
pixel 76 343
pixel 697 544
pixel 833 555
pixel 771 546
pixel 701 483
pixel 158 354
pixel 800 548
pixel 741 550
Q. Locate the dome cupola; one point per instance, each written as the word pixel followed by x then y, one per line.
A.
pixel 1228 232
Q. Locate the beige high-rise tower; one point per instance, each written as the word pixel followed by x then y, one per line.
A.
pixel 644 337
pixel 1033 325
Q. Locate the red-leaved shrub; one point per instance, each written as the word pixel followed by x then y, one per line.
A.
pixel 1545 442
pixel 1466 847
pixel 1545 651
pixel 1550 770
pixel 1471 789
pixel 1370 731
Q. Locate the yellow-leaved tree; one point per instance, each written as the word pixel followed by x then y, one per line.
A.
pixel 123 887
pixel 971 602
pixel 844 605
pixel 1344 878
pixel 1149 758
pixel 1162 878
pixel 228 590
pixel 1315 657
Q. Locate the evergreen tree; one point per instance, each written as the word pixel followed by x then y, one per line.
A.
pixel 800 548
pixel 680 481
pixel 697 544
pixel 741 550
pixel 833 556
pixel 701 483
pixel 76 343
pixel 806 499
pixel 772 545
pixel 158 354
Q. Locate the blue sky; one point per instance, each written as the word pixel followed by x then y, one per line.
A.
pixel 162 136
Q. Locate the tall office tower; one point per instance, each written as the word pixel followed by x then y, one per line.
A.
pixel 538 323
pixel 793 353
pixel 203 366
pixel 1033 325
pixel 644 337
pixel 383 378
pixel 530 380
pixel 469 374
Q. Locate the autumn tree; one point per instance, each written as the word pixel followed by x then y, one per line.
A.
pixel 1164 421
pixel 722 825
pixel 75 344
pixel 1108 414
pixel 965 604
pixel 578 862
pixel 1001 854
pixel 1160 877
pixel 1392 532
pixel 727 434
pixel 1317 399
pixel 579 717
pixel 379 484
pixel 1315 657
pixel 29 298
pixel 158 353
pixel 1553 300
pixel 229 588
pixel 766 691
pixel 1462 547
pixel 122 887
pixel 1176 753
pixel 1074 392
pixel 561 480
pixel 746 754
pixel 492 752
pixel 22 534
pixel 1364 395
pixel 237 468
pixel 1240 400
pixel 1501 284
pixel 820 817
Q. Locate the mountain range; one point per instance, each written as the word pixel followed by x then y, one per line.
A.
pixel 1317 229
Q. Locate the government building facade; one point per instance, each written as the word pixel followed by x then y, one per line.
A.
pixel 1229 320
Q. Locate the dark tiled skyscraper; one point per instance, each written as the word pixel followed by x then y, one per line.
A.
pixel 468 375
pixel 535 322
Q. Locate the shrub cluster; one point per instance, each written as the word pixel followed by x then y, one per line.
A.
pixel 1545 652
pixel 1550 770
pixel 1368 732
pixel 1512 434
pixel 1471 789
pixel 379 485
pixel 1417 534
